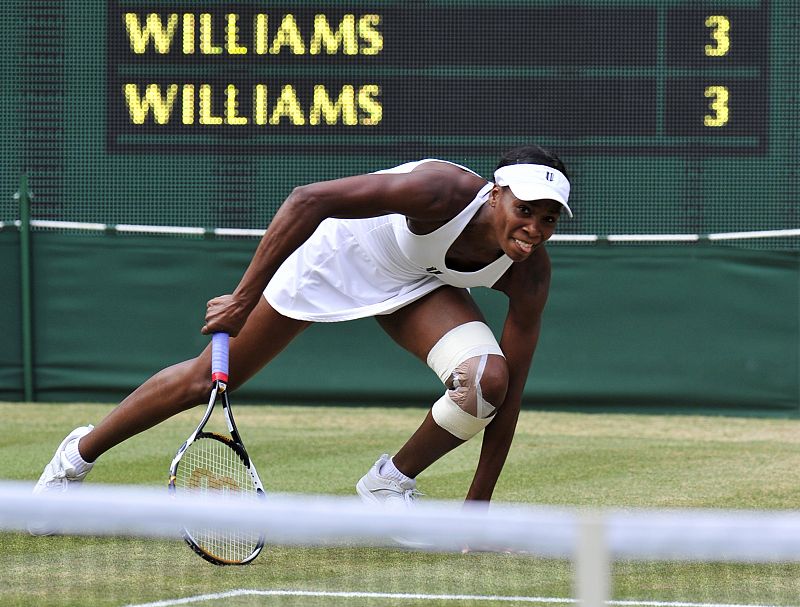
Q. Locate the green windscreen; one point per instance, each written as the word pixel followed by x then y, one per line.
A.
pixel 672 116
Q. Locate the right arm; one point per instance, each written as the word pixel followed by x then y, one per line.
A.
pixel 431 194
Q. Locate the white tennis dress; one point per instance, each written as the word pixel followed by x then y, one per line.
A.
pixel 355 268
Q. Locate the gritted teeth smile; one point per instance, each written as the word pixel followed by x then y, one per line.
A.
pixel 525 246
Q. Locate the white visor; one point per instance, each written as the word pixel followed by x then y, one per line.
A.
pixel 535 182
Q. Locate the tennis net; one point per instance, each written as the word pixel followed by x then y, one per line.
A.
pixel 323 549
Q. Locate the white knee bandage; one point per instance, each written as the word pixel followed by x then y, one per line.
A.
pixel 459 359
pixel 459 344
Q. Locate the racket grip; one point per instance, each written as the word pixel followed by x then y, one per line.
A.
pixel 219 357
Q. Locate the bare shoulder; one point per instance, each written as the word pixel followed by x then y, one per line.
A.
pixel 432 192
pixel 452 188
pixel 448 171
pixel 527 283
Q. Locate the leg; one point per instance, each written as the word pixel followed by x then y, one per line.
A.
pixel 187 384
pixel 168 392
pixel 418 328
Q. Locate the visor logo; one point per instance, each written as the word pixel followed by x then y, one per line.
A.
pixel 549 176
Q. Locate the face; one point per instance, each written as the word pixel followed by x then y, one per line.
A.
pixel 522 225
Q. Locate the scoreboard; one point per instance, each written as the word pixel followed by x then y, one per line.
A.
pixel 672 116
pixel 584 77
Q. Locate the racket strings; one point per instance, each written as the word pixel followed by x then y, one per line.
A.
pixel 211 466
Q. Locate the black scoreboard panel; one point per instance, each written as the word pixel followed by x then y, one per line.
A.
pixel 672 115
pixel 437 76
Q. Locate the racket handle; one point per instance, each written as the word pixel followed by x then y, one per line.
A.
pixel 219 357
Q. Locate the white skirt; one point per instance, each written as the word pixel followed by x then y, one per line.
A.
pixel 348 269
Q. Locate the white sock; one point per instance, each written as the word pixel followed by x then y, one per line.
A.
pixel 390 471
pixel 74 457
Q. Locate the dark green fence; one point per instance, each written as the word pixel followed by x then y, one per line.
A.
pixel 690 327
pixel 673 117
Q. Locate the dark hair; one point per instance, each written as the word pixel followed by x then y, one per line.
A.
pixel 532 154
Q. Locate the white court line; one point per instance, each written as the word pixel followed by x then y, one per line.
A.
pixel 424 597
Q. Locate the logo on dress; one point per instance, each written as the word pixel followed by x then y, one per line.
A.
pixel 433 270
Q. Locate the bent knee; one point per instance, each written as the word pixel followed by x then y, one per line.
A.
pixel 471 364
pixel 478 385
pixel 494 381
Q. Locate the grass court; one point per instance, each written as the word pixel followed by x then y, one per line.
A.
pixel 558 458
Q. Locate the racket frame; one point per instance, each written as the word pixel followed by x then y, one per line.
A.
pixel 219 393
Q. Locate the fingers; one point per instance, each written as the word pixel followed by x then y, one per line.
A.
pixel 222 315
pixel 215 308
pixel 210 329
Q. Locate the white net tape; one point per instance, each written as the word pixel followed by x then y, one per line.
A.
pixel 694 535
pixel 44 224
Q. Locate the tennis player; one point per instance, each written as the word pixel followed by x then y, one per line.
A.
pixel 403 245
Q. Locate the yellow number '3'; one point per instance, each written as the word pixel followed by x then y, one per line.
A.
pixel 720 31
pixel 719 105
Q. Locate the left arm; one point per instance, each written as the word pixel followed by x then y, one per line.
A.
pixel 527 286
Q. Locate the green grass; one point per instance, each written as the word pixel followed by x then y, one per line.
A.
pixel 570 459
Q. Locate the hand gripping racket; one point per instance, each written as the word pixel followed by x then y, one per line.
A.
pixel 213 463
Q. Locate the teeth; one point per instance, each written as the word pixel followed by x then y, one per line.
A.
pixel 525 246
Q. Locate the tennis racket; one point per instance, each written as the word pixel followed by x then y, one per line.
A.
pixel 213 463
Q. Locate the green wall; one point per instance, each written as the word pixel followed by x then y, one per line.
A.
pixel 648 326
pixel 695 326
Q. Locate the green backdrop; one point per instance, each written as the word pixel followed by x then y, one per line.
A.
pixel 672 116
pixel 697 326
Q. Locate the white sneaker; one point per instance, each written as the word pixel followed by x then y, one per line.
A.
pixel 376 489
pixel 393 495
pixel 59 475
